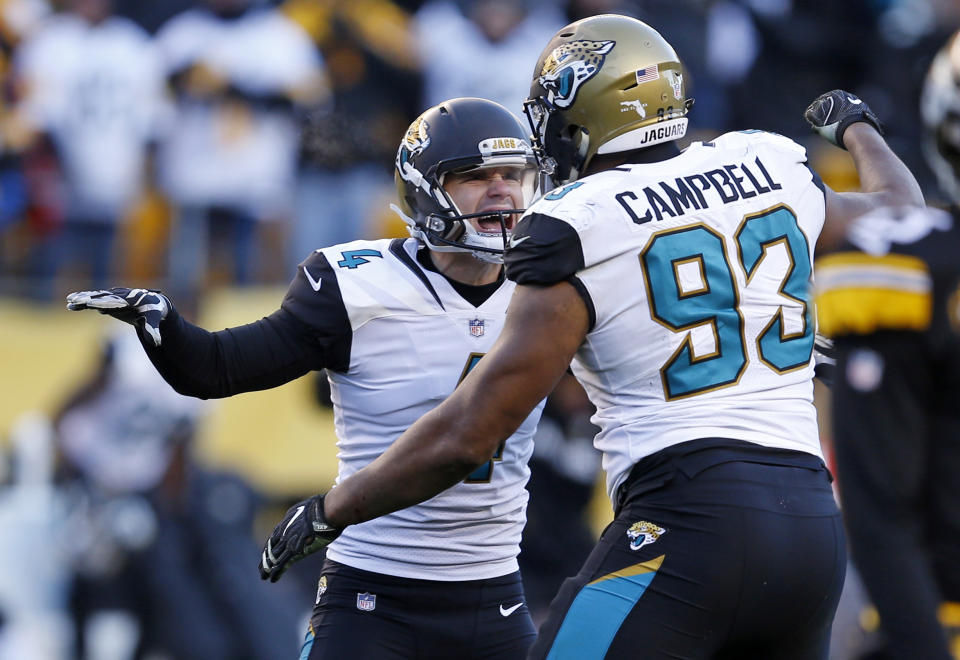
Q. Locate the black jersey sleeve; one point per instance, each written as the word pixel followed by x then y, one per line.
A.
pixel 314 298
pixel 543 250
pixel 292 341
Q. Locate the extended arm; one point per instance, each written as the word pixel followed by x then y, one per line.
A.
pixel 544 328
pixel 257 356
pixel 846 121
pixel 310 331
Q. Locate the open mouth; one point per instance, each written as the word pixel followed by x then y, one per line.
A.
pixel 490 224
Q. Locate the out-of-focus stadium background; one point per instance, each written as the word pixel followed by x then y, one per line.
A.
pixel 204 148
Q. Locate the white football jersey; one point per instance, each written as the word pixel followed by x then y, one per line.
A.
pixel 697 272
pixel 414 338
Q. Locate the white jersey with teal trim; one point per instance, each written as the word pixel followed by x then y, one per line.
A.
pixel 698 270
pixel 414 339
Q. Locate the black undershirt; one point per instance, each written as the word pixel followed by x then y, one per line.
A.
pixel 475 294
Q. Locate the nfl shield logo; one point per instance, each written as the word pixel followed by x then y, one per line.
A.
pixel 476 327
pixel 321 587
pixel 367 602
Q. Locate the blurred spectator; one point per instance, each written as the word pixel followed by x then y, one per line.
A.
pixel 239 70
pixel 162 547
pixel 17 18
pixel 34 583
pixel 348 146
pixel 91 91
pixel 485 48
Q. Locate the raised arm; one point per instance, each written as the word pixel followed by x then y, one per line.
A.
pixel 847 122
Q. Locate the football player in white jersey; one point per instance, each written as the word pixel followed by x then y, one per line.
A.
pixel 677 283
pixel 397 324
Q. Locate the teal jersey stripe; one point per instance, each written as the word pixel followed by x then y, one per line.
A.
pixel 307 645
pixel 598 611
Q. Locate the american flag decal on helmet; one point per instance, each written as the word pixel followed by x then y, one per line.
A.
pixel 647 74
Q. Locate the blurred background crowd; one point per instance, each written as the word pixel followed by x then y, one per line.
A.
pixel 205 147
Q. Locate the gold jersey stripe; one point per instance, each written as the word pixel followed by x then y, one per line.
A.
pixel 892 271
pixel 651 566
pixel 859 293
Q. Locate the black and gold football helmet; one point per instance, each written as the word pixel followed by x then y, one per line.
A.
pixel 459 135
pixel 940 113
pixel 604 84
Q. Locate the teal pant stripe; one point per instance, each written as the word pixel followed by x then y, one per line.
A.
pixel 596 615
pixel 307 645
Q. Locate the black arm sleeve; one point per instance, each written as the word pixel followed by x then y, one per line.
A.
pixel 310 331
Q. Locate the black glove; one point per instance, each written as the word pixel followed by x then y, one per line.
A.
pixel 830 114
pixel 144 308
pixel 303 531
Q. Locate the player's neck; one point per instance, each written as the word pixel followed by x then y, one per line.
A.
pixel 465 268
pixel 653 154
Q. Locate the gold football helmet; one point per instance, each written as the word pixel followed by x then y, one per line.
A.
pixel 604 84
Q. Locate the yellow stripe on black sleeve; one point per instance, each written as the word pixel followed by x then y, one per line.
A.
pixel 858 293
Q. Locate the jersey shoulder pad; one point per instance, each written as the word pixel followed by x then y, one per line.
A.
pixel 881 230
pixel 763 141
pixel 356 257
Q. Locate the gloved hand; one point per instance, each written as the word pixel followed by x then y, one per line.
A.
pixel 144 308
pixel 303 531
pixel 831 113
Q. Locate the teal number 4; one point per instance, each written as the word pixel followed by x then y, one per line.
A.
pixel 715 300
pixel 484 473
pixel 356 258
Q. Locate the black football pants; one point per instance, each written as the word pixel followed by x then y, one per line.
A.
pixel 364 615
pixel 742 557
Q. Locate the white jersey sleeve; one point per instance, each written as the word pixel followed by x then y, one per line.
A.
pixel 413 340
pixel 696 273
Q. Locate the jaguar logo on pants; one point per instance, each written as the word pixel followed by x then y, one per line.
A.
pixel 644 533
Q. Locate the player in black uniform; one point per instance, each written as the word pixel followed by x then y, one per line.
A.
pixel 890 298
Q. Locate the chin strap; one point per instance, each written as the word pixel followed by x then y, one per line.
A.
pixel 412 228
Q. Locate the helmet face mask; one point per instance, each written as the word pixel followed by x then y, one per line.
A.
pixel 458 136
pixel 602 85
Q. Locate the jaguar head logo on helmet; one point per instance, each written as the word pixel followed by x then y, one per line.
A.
pixel 569 66
pixel 586 75
pixel 456 137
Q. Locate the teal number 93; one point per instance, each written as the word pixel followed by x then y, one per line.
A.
pixel 714 300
